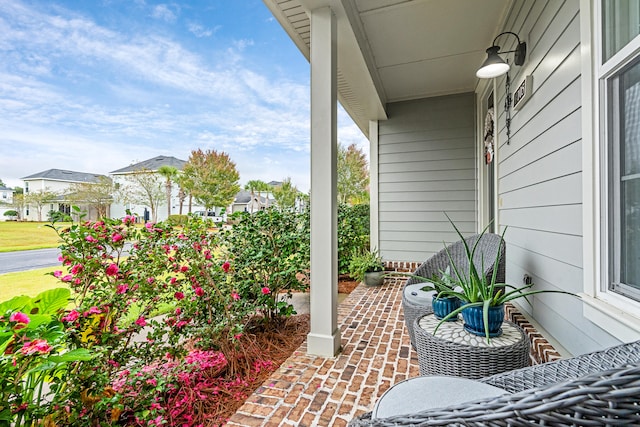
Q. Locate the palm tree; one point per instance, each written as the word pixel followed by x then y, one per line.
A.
pixel 170 173
pixel 253 186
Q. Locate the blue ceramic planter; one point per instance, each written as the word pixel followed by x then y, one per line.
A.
pixel 443 306
pixel 474 323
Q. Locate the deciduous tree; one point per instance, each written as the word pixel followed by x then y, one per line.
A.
pixel 97 195
pixel 215 178
pixel 353 175
pixel 285 195
pixel 40 198
pixel 143 187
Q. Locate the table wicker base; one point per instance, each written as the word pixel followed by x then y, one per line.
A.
pixel 471 359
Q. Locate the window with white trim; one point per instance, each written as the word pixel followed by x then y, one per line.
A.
pixel 620 98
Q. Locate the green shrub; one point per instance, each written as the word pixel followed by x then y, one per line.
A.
pixel 178 219
pixel 353 233
pixel 11 213
pixel 268 250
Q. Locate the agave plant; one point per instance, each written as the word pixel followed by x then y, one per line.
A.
pixel 476 290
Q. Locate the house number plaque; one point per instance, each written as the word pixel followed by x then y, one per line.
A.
pixel 522 93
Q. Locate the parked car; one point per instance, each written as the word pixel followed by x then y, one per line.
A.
pixel 210 215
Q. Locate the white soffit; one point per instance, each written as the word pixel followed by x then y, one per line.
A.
pixel 394 50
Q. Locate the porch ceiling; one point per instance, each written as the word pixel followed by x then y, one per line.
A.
pixel 394 50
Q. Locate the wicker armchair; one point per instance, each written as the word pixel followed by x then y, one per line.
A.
pixel 485 255
pixel 596 389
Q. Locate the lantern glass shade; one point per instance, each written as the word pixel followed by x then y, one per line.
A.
pixel 493 66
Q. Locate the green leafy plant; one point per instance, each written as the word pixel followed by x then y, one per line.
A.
pixel 353 233
pixel 476 290
pixel 363 262
pixel 440 284
pixel 33 351
pixel 269 251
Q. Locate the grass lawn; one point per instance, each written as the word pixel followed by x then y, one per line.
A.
pixel 21 236
pixel 29 283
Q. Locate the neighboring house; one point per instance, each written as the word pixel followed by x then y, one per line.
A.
pixel 6 198
pixel 244 202
pixel 138 206
pixel 58 182
pixel 565 170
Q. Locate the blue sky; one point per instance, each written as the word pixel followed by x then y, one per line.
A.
pixel 93 86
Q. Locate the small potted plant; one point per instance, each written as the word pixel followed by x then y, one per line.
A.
pixel 442 302
pixel 481 298
pixel 367 267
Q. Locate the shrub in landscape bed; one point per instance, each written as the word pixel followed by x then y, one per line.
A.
pixel 353 233
pixel 268 250
pixel 32 349
pixel 119 364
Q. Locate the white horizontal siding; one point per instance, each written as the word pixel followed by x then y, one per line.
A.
pixel 427 166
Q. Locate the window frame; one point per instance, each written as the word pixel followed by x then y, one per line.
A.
pixel 615 313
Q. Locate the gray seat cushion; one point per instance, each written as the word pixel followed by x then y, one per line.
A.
pixel 414 294
pixel 422 393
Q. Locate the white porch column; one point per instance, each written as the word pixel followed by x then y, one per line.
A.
pixel 374 215
pixel 324 337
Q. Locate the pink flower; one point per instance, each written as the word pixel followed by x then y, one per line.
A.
pixel 226 266
pixel 150 280
pixel 184 268
pixel 141 322
pixel 152 381
pixel 116 237
pixel 19 317
pixel 112 270
pixel 235 296
pixel 128 219
pixel 94 310
pixel 149 226
pixel 178 311
pixel 71 317
pixel 199 291
pixel 237 336
pixel 266 290
pixel 60 258
pixel 173 280
pixel 207 254
pixel 121 289
pixel 36 346
pixel 90 239
pixel 67 278
pixel 76 269
pixel 57 273
pixel 179 295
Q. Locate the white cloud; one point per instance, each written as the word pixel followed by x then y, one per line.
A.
pixel 164 12
pixel 242 44
pixel 200 31
pixel 152 96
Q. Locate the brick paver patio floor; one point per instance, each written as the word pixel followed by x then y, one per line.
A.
pixel 317 391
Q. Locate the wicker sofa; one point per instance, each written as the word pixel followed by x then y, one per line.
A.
pixel 595 389
pixel 484 258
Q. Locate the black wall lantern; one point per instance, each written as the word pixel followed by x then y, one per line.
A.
pixel 494 65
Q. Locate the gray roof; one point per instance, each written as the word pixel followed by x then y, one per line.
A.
pixel 152 164
pixel 65 175
pixel 3 188
pixel 275 183
pixel 244 196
